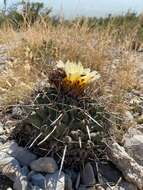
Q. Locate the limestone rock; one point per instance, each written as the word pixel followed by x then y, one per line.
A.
pixel 133 143
pixel 131 170
pixel 24 156
pixel 10 167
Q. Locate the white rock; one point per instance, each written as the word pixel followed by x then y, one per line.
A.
pixel 10 167
pixel 131 170
pixel 55 182
pixel 134 147
pixel 133 143
pixel 24 156
pixel 137 130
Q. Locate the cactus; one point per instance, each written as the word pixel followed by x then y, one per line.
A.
pixel 58 118
pixel 80 124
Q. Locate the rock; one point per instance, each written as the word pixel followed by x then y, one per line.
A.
pixel 38 180
pixel 20 183
pixel 138 130
pixel 134 147
pixel 45 164
pixel 133 143
pixel 87 175
pixel 55 182
pixel 109 172
pixel 10 167
pixel 4 160
pixel 25 171
pixel 24 156
pixel 130 169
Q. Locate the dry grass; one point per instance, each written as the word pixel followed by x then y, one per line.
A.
pixel 7 34
pixel 41 45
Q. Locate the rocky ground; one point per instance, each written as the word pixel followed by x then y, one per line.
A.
pixel 123 170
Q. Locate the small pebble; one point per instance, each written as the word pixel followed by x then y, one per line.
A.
pixel 45 164
pixel 38 180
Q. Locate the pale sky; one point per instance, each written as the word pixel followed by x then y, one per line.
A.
pixel 72 8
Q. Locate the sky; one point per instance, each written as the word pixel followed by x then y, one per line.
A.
pixel 72 8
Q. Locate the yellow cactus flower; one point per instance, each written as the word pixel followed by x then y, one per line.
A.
pixel 74 78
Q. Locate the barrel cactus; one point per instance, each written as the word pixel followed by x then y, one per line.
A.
pixel 63 116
